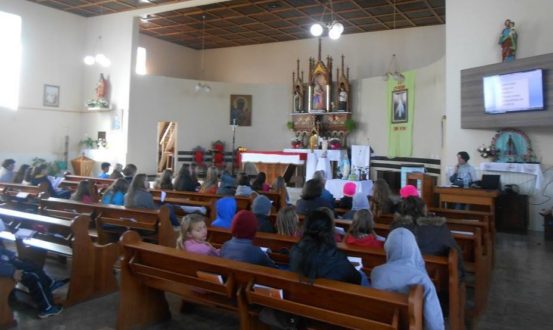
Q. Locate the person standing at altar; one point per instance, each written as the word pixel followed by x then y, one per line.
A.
pixel 464 173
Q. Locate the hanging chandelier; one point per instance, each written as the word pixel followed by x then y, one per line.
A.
pixel 202 87
pixel 99 58
pixel 335 28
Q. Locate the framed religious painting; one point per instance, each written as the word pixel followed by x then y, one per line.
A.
pixel 399 106
pixel 51 96
pixel 241 110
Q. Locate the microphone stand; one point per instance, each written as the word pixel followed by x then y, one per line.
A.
pixel 233 142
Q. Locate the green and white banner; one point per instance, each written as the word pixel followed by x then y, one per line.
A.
pixel 401 111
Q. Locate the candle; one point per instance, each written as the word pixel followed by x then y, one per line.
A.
pixel 309 100
pixel 327 98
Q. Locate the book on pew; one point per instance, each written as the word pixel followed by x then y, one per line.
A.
pixel 356 262
pixel 23 233
pixel 265 249
pixel 210 277
pixel 194 209
pixel 340 230
pixel 268 291
pixel 162 196
pixel 22 195
pixel 467 233
pixel 55 181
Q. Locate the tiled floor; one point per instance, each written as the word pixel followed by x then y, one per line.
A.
pixel 521 296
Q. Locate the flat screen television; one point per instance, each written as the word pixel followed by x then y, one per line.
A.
pixel 517 91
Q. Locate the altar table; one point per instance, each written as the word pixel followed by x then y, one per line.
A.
pixel 273 163
pixel 534 169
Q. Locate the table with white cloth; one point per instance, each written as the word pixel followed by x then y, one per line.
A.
pixel 316 162
pixel 525 168
pixel 336 187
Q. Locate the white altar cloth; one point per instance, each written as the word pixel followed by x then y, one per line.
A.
pixel 534 169
pixel 273 157
pixel 314 157
pixel 336 187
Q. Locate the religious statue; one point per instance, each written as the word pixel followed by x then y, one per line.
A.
pixel 319 93
pixel 101 88
pixel 101 98
pixel 508 41
pixel 298 99
pixel 313 140
pixel 343 99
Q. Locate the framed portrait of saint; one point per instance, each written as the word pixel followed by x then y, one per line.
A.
pixel 51 96
pixel 399 106
pixel 241 110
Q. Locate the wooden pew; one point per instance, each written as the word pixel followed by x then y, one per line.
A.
pixel 207 200
pixel 153 223
pixel 6 314
pixel 443 271
pixel 72 187
pixel 21 196
pixel 468 237
pixel 278 199
pixel 92 264
pixel 150 270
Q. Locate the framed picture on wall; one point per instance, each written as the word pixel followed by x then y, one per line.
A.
pixel 399 106
pixel 241 110
pixel 51 96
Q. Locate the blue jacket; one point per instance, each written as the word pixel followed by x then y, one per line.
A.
pixel 116 199
pixel 6 267
pixel 226 208
pixel 241 249
pixel 403 269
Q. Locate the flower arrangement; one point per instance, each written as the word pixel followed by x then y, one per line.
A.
pixel 98 103
pixel 296 143
pixel 334 144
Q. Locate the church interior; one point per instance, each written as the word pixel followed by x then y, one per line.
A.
pixel 393 90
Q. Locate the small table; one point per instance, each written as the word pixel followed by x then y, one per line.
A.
pixel 273 163
pixel 527 168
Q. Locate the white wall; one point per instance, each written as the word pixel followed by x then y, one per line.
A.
pixel 471 41
pixel 202 118
pixel 372 118
pixel 119 40
pixel 169 59
pixel 367 55
pixel 53 44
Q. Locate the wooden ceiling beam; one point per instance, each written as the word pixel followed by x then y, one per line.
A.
pixel 433 11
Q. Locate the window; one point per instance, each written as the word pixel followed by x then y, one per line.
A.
pixel 10 60
pixel 140 60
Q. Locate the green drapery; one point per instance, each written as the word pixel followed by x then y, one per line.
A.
pixel 401 110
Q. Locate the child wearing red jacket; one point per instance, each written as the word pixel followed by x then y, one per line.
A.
pixel 361 232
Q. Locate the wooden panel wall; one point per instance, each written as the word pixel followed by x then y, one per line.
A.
pixel 472 98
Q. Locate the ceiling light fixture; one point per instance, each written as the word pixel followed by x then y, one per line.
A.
pixel 393 71
pixel 201 86
pixel 99 57
pixel 335 28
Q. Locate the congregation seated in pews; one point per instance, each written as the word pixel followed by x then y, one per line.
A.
pixel 304 242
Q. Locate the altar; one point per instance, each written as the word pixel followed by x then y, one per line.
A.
pixel 315 160
pixel 273 163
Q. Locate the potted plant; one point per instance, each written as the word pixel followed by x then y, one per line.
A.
pixel 350 125
pixel 290 125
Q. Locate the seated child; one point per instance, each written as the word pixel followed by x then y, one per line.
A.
pixel 39 284
pixel 361 232
pixel 82 194
pixel 348 190
pixel 115 194
pixel 105 169
pixel 287 222
pixel 243 188
pixel 261 207
pixel 240 247
pixel 193 235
